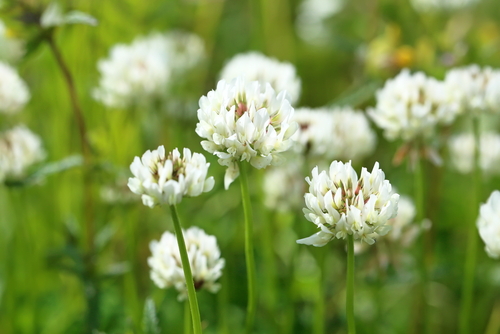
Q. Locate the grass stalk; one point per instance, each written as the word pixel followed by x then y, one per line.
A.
pixel 351 324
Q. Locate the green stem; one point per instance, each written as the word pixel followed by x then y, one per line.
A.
pixel 250 261
pixel 471 250
pixel 186 267
pixel 319 307
pixel 351 324
pixel 187 318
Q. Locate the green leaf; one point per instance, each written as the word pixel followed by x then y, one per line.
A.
pixel 357 95
pixel 149 319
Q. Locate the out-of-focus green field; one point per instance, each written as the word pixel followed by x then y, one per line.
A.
pixel 41 225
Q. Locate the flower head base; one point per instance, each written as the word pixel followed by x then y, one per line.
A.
pixel 165 179
pixel 254 66
pixel 411 105
pixel 13 91
pixel 242 121
pixel 340 204
pixel 19 148
pixel 488 224
pixel 204 258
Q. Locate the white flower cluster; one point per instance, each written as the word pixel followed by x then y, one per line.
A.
pixel 462 149
pixel 404 230
pixel 488 224
pixel 340 204
pixel 242 121
pixel 334 134
pixel 143 70
pixel 284 186
pixel 19 149
pixel 254 66
pixel 441 5
pixel 165 179
pixel 13 91
pixel 411 105
pixel 311 19
pixel 475 88
pixel 204 258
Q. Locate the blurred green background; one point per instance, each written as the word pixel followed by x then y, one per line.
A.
pixel 41 226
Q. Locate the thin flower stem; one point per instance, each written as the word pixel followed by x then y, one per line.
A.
pixel 250 261
pixel 186 267
pixel 351 324
pixel 472 242
pixel 187 318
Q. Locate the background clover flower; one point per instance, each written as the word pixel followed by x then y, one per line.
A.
pixel 165 179
pixel 19 149
pixel 340 204
pixel 204 258
pixel 254 66
pixel 13 91
pixel 469 85
pixel 411 105
pixel 488 224
pixel 462 146
pixel 243 121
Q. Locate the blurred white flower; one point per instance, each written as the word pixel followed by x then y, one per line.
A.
pixel 284 186
pixel 469 85
pixel 11 48
pixel 441 5
pixel 340 204
pixel 53 17
pixel 144 69
pixel 462 152
pixel 204 258
pixel 312 14
pixel 333 133
pixel 411 105
pixel 488 224
pixel 241 121
pixel 13 91
pixel 161 179
pixel 19 149
pixel 254 66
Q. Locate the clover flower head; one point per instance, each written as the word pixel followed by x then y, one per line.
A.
pixel 254 66
pixel 470 85
pixel 314 135
pixel 165 179
pixel 243 121
pixel 19 149
pixel 340 204
pixel 311 23
pixel 13 91
pixel 411 105
pixel 204 258
pixel 462 146
pixel 488 224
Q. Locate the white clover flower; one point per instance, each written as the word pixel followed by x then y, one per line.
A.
pixel 204 258
pixel 411 105
pixel 488 224
pixel 311 19
pixel 314 136
pixel 53 17
pixel 340 204
pixel 161 179
pixel 441 5
pixel 19 149
pixel 404 230
pixel 241 121
pixel 284 186
pixel 143 70
pixel 469 85
pixel 13 91
pixel 462 149
pixel 254 66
